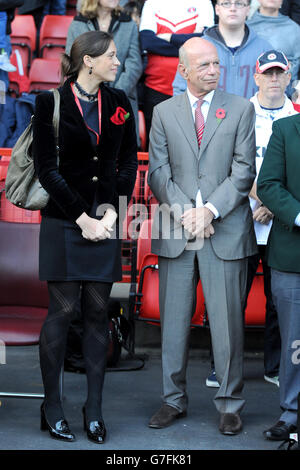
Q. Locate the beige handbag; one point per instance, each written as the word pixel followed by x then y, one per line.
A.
pixel 22 187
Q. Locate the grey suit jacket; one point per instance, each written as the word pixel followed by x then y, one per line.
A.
pixel 223 170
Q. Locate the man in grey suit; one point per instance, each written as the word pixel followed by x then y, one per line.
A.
pixel 201 169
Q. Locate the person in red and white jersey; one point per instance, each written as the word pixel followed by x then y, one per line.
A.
pixel 172 17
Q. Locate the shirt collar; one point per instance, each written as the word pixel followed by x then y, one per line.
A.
pixel 193 99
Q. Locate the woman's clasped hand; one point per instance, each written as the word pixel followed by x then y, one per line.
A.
pixel 96 230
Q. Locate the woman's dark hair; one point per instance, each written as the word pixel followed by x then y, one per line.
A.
pixel 92 43
pixel 131 7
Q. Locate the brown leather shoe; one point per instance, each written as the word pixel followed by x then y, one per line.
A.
pixel 165 416
pixel 230 424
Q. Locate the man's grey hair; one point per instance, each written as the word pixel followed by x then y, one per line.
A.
pixel 183 56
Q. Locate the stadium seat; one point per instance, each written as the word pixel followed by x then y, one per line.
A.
pixel 53 35
pixel 44 74
pixel 142 131
pixel 4 162
pixel 23 297
pixel 18 80
pixel 23 38
pixel 11 213
pixel 255 312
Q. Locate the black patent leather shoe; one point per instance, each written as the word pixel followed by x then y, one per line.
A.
pixel 61 430
pixel 95 430
pixel 280 431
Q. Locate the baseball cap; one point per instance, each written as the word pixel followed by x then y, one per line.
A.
pixel 269 59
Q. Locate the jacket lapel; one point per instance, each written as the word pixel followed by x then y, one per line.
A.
pixel 212 123
pixel 184 117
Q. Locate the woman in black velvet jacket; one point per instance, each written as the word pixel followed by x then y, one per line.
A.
pixel 80 251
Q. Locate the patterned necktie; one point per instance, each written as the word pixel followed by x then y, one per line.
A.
pixel 199 121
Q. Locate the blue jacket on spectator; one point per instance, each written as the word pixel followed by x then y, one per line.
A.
pixel 24 109
pixel 17 114
pixel 237 64
pixel 7 120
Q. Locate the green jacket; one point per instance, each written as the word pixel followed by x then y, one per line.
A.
pixel 278 187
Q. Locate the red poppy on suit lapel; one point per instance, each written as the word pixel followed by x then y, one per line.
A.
pixel 120 116
pixel 220 114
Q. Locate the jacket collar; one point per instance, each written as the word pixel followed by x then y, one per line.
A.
pixel 122 17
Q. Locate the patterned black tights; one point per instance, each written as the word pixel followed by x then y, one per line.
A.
pixel 62 299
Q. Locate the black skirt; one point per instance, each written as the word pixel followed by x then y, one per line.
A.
pixel 66 256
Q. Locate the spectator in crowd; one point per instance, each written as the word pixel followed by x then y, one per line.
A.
pixel 55 7
pixel 282 32
pixel 296 96
pixel 278 189
pixel 208 125
pixel 4 59
pixel 34 8
pixel 78 252
pixel 172 17
pixel 254 5
pixel 271 103
pixel 238 47
pixel 139 3
pixel 134 10
pixel 291 8
pixel 7 14
pixel 106 15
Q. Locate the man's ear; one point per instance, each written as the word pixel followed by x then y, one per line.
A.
pixel 256 79
pixel 182 69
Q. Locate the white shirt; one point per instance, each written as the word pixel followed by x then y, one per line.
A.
pixel 204 109
pixel 263 130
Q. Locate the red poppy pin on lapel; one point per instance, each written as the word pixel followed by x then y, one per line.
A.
pixel 120 116
pixel 220 114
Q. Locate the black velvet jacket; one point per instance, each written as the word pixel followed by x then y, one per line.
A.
pixel 83 173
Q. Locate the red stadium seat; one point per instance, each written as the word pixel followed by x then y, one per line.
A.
pixel 23 38
pixel 53 35
pixel 44 74
pixel 142 131
pixel 4 162
pixel 18 80
pixel 23 298
pixel 11 213
pixel 256 303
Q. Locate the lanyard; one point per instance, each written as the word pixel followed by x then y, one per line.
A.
pixel 99 112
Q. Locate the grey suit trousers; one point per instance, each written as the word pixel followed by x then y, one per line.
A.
pixel 286 297
pixel 224 287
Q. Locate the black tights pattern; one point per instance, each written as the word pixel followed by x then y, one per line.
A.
pixel 62 300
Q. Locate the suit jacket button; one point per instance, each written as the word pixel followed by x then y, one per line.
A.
pixel 95 158
pixel 95 179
